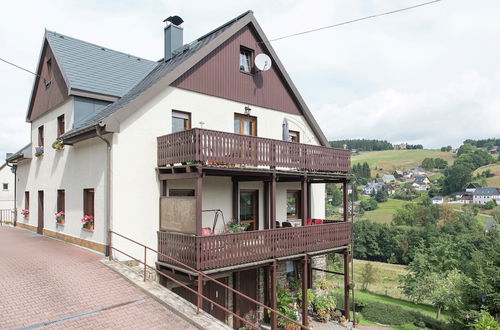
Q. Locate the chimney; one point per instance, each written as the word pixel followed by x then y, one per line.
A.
pixel 173 36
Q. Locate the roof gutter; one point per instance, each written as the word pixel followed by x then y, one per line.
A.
pixel 98 132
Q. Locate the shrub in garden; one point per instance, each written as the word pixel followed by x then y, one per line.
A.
pixel 429 322
pixel 387 314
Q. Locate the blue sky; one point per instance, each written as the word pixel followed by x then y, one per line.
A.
pixel 430 75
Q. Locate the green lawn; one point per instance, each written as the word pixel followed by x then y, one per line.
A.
pixel 495 169
pixel 390 160
pixel 384 212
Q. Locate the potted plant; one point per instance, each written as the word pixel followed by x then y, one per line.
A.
pixel 234 226
pixel 60 217
pixel 88 222
pixel 39 151
pixel 58 145
pixel 25 213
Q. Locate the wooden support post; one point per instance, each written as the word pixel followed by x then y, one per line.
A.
pixel 199 199
pixel 274 320
pixel 273 201
pixel 304 200
pixel 305 285
pixel 346 285
pixel 346 205
pixel 199 300
pixel 236 214
pixel 309 213
pixel 266 205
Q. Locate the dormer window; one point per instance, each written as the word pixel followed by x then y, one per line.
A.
pixel 246 56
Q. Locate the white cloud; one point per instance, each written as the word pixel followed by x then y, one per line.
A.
pixel 408 69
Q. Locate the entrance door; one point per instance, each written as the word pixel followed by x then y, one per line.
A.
pixel 249 208
pixel 39 229
pixel 247 284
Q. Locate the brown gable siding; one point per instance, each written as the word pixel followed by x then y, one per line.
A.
pixel 219 75
pixel 45 98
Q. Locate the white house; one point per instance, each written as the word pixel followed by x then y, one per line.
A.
pixel 153 149
pixel 437 200
pixel 6 187
pixel 484 195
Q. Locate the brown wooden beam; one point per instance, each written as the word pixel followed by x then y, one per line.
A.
pixel 274 320
pixel 236 215
pixel 174 176
pixel 273 201
pixel 346 285
pixel 346 205
pixel 305 285
pixel 303 200
pixel 199 200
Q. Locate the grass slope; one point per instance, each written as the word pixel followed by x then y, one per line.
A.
pixel 390 160
pixel 384 212
pixel 495 169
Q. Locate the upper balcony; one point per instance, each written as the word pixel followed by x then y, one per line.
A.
pixel 229 149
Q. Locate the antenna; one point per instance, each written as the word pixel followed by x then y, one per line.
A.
pixel 263 62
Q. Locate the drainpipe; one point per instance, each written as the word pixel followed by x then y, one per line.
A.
pixel 98 131
pixel 13 168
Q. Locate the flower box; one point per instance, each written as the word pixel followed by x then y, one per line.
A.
pixel 25 213
pixel 88 222
pixel 58 145
pixel 39 151
pixel 60 218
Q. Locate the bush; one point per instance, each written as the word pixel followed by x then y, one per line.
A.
pixel 387 314
pixel 358 302
pixel 429 322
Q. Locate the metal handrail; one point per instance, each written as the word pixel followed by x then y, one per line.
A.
pixel 201 275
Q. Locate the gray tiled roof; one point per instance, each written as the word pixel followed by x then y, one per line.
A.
pixel 97 69
pixel 158 72
pixel 487 191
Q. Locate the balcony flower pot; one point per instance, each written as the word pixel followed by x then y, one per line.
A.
pixel 58 145
pixel 88 222
pixel 60 218
pixel 39 151
pixel 25 213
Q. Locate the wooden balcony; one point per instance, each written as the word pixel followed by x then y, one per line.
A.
pixel 216 251
pixel 228 149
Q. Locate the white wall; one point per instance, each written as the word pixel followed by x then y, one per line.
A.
pixel 136 188
pixel 73 169
pixel 6 196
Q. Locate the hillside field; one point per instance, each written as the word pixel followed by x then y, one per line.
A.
pixel 390 160
pixel 495 169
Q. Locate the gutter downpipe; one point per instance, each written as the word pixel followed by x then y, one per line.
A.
pixel 108 188
pixel 13 168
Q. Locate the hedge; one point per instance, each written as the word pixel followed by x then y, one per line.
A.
pixel 387 314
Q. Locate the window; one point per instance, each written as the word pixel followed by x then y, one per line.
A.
pixel 40 136
pixel 294 136
pixel 49 69
pixel 26 200
pixel 293 203
pixel 246 57
pixel 61 200
pixel 60 125
pixel 181 121
pixel 245 125
pixel 88 202
pixel 5 186
pixel 180 192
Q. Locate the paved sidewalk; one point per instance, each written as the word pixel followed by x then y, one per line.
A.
pixel 43 281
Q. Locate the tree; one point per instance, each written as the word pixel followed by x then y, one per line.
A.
pixel 381 195
pixel 368 275
pixel 456 178
pixel 448 148
pixel 445 291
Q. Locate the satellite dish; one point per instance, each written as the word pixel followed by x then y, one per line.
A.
pixel 263 62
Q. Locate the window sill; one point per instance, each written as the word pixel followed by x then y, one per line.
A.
pixel 88 230
pixel 247 73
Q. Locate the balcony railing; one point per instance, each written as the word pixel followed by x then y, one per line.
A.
pixel 221 148
pixel 207 252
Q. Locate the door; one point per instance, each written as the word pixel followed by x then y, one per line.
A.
pixel 39 229
pixel 249 208
pixel 245 125
pixel 246 283
pixel 212 291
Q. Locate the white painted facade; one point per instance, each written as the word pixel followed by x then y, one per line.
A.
pixel 135 187
pixel 6 188
pixel 72 169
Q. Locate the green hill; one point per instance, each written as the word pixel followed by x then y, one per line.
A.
pixel 494 181
pixel 390 160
